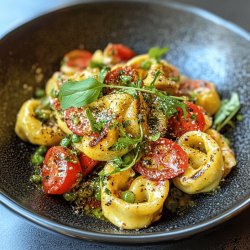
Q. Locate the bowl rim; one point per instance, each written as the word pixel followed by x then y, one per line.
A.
pixel 175 234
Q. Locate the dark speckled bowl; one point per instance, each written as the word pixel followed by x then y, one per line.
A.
pixel 202 46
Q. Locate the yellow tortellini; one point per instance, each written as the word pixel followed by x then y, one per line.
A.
pixel 205 169
pixel 227 152
pixel 149 200
pixel 29 128
pixel 124 108
pixel 208 98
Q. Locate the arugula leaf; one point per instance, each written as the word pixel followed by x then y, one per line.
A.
pixel 126 141
pixel 81 93
pixel 122 164
pixel 152 84
pixel 227 111
pixel 93 124
pixel 157 53
pixel 168 104
pixel 104 71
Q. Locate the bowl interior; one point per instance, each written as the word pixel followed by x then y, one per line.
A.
pixel 200 48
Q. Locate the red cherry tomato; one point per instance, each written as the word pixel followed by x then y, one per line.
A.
pixel 86 163
pixel 78 59
pixel 119 52
pixel 164 160
pixel 194 120
pixel 77 121
pixel 115 76
pixel 61 170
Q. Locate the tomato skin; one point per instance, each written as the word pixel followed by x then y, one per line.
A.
pixel 87 163
pixel 119 52
pixel 77 121
pixel 59 174
pixel 194 120
pixel 166 158
pixel 78 59
pixel 114 76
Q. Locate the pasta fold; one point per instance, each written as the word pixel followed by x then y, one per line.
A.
pixel 28 128
pixel 205 168
pixel 150 197
pixel 227 152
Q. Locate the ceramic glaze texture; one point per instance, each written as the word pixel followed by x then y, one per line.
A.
pixel 200 48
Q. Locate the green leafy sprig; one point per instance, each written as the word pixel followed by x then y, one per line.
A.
pixel 80 93
pixel 227 111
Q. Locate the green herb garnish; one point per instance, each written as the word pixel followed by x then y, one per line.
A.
pixel 95 126
pixel 155 137
pixel 227 111
pixel 81 93
pixel 157 53
pixel 146 65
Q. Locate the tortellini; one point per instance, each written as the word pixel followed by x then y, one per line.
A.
pixel 227 152
pixel 150 197
pixel 124 108
pixel 29 128
pixel 205 169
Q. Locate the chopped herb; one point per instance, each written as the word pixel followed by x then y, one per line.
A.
pixel 193 117
pixel 155 137
pixel 157 53
pixel 152 84
pixel 107 191
pixel 227 111
pixel 125 141
pixel 42 115
pixel 66 141
pixel 40 93
pixel 54 93
pixel 95 126
pixel 146 65
pixel 76 138
pixel 125 79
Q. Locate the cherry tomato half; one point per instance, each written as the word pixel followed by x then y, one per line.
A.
pixel 164 160
pixel 78 59
pixel 194 120
pixel 77 121
pixel 61 170
pixel 115 76
pixel 119 52
pixel 86 163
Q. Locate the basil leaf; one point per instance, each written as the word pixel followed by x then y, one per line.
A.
pixel 80 93
pixel 157 53
pixel 226 112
